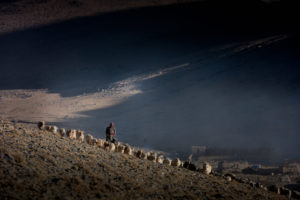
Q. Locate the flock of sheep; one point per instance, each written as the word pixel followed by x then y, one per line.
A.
pixel 123 148
pixel 152 156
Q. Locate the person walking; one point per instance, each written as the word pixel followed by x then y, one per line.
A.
pixel 111 133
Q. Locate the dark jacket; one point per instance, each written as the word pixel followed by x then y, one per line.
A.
pixel 110 132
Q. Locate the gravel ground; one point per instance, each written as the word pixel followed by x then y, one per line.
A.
pixel 37 164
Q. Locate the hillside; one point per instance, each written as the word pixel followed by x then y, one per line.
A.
pixel 21 14
pixel 38 164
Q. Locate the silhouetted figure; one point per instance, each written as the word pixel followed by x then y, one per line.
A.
pixel 111 133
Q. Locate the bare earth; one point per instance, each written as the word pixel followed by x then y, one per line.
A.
pixel 38 164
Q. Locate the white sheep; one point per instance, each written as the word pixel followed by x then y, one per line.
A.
pixel 53 129
pixel 176 162
pixel 128 150
pixel 117 144
pixel 120 148
pixel 62 132
pixel 152 156
pixel 88 138
pixel 112 147
pixel 80 135
pixel 100 143
pixel 160 159
pixel 71 133
pixel 167 161
pixel 207 168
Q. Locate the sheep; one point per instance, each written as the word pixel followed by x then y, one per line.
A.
pixel 53 129
pixel 134 151
pixel 94 141
pixel 62 132
pixel 48 128
pixel 117 144
pixel 144 155
pixel 120 148
pixel 176 162
pixel 112 147
pixel 139 153
pixel 128 150
pixel 41 125
pixel 152 156
pixel 80 135
pixel 88 138
pixel 100 143
pixel 71 133
pixel 160 159
pixel 106 145
pixel 207 168
pixel 189 165
pixel 167 161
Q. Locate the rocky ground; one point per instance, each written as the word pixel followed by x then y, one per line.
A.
pixel 37 164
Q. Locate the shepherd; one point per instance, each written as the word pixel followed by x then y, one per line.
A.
pixel 111 133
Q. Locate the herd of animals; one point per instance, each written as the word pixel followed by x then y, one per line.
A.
pixel 154 157
pixel 122 148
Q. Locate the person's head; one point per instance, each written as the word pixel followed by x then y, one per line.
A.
pixel 111 124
